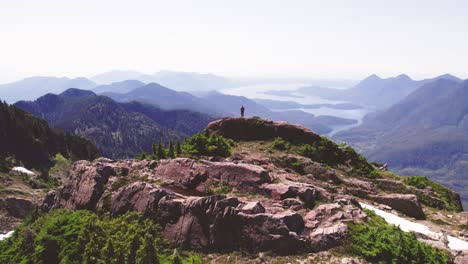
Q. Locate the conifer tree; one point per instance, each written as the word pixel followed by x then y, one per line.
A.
pixel 160 152
pixel 108 253
pixel 155 149
pixel 178 149
pixel 132 251
pixel 147 252
pixel 171 153
pixel 91 253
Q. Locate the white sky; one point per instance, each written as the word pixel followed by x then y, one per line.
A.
pixel 314 39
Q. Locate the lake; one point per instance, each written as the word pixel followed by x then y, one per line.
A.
pixel 289 93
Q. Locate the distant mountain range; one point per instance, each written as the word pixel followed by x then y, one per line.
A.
pixel 164 98
pixel 426 133
pixel 180 81
pixel 374 91
pixel 118 87
pixel 29 141
pixel 120 130
pixel 33 87
pixel 218 104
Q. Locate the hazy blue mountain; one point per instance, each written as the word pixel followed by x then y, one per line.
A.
pixel 191 81
pixel 426 133
pixel 180 81
pixel 116 76
pixel 218 104
pixel 230 104
pixel 119 130
pixel 374 91
pixel 183 121
pixel 33 87
pixel 164 98
pixel 118 87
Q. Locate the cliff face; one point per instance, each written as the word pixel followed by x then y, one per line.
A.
pixel 258 199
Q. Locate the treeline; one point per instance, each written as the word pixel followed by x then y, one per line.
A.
pixel 161 152
pixel 200 144
pixel 27 140
pixel 64 236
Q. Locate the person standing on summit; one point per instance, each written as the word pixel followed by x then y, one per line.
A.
pixel 242 109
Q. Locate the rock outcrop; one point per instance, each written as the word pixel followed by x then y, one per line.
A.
pixel 208 222
pixel 17 207
pixel 253 200
pixel 260 129
pixel 138 196
pixel 407 204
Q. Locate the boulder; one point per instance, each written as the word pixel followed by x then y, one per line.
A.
pixel 17 207
pixel 201 223
pixel 86 184
pixel 314 217
pixel 292 203
pixel 249 129
pixel 390 185
pixel 323 238
pixel 344 210
pixel 252 208
pixel 241 177
pixel 358 192
pixel 308 195
pixel 185 172
pixel 280 191
pixel 407 204
pixel 138 196
pixel 272 232
pixel 318 171
pixel 362 184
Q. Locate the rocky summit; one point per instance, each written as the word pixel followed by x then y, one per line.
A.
pixel 265 197
pixel 255 128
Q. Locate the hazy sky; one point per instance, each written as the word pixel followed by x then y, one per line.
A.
pixel 315 39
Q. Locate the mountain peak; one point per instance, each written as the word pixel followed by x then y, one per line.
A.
pixel 403 77
pixel 448 76
pixel 372 77
pixel 153 87
pixel 75 92
pixel 255 128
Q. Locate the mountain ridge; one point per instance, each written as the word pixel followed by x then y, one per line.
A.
pixel 423 134
pixel 117 129
pixel 375 91
pixel 33 87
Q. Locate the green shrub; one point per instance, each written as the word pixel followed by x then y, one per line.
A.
pixel 328 152
pixel 379 242
pixel 218 187
pixel 143 156
pixel 444 193
pixel 209 145
pixel 63 236
pixel 280 144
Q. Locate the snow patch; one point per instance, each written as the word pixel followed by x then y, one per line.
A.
pixel 409 226
pixel 7 235
pixel 456 243
pixel 23 170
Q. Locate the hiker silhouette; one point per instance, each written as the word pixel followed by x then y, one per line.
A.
pixel 242 109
